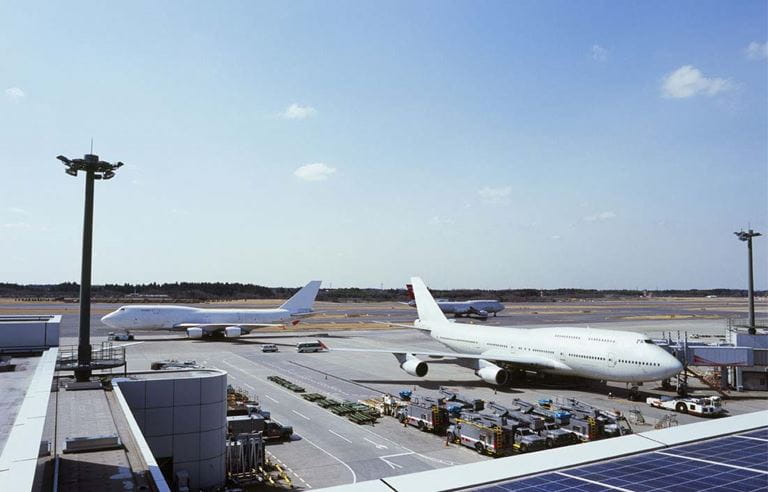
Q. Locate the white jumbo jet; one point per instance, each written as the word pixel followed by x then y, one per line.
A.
pixel 199 322
pixel 480 308
pixel 605 355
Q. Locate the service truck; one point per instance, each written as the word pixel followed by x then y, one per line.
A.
pixel 428 414
pixel 710 406
pixel 516 435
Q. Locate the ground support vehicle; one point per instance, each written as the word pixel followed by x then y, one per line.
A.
pixel 120 337
pixel 710 406
pixel 286 384
pixel 174 364
pixel 457 403
pixel 518 437
pixel 428 414
pixel 384 405
pixel 593 423
pixel 492 440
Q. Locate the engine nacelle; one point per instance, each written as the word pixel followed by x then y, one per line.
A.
pixel 493 374
pixel 233 331
pixel 415 367
pixel 195 332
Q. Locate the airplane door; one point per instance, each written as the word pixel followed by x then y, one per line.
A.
pixel 611 360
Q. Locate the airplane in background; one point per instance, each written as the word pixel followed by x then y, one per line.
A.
pixel 493 351
pixel 479 308
pixel 200 322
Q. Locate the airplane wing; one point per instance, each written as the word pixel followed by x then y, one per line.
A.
pixel 402 325
pixel 213 327
pixel 307 314
pixel 521 360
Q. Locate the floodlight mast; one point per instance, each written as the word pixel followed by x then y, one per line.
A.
pixel 747 237
pixel 94 169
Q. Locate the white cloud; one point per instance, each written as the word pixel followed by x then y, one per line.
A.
pixel 494 195
pixel 298 112
pixel 555 237
pixel 440 221
pixel 17 225
pixel 314 172
pixel 757 51
pixel 17 210
pixel 607 215
pixel 688 81
pixel 15 94
pixel 599 53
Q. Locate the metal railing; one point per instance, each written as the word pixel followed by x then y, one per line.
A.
pixel 104 356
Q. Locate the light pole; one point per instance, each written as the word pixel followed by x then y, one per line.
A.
pixel 747 237
pixel 94 169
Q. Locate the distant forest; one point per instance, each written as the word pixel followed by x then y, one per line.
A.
pixel 207 291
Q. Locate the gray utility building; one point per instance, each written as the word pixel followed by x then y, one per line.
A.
pixel 183 417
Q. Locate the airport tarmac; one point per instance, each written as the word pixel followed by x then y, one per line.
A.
pixel 331 450
pixel 355 316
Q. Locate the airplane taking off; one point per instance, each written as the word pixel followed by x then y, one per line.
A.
pixel 479 308
pixel 199 322
pixel 492 351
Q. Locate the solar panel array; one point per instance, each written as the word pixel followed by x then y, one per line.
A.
pixel 737 462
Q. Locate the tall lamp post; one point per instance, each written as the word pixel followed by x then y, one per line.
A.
pixel 747 237
pixel 94 169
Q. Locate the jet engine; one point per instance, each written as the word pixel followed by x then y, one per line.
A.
pixel 492 374
pixel 233 331
pixel 415 366
pixel 195 332
pixel 482 313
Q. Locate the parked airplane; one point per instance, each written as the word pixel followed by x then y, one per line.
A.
pixel 199 322
pixel 479 308
pixel 494 351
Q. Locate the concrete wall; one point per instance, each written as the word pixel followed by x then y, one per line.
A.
pixel 28 333
pixel 183 418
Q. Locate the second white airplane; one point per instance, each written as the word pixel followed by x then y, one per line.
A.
pixel 492 351
pixel 200 322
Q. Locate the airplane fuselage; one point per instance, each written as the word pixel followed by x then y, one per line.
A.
pixel 145 317
pixel 609 355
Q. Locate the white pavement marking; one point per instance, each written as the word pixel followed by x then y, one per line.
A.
pixel 267 396
pixel 301 415
pixel 712 462
pixel 392 464
pixel 753 438
pixel 592 482
pixel 378 446
pixel 339 435
pixel 354 476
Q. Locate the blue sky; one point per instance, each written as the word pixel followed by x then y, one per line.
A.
pixel 477 144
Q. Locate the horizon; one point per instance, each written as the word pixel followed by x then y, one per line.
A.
pixel 611 145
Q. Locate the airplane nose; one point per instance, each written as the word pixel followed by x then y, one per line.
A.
pixel 106 319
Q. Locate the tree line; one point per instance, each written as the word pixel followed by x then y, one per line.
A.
pixel 211 291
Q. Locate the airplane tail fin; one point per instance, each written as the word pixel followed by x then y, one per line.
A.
pixel 429 311
pixel 409 288
pixel 302 301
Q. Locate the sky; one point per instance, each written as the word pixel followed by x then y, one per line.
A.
pixel 484 144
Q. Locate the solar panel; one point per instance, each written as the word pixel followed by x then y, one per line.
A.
pixel 738 462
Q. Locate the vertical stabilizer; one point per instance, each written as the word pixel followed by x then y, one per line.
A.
pixel 302 301
pixel 429 311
